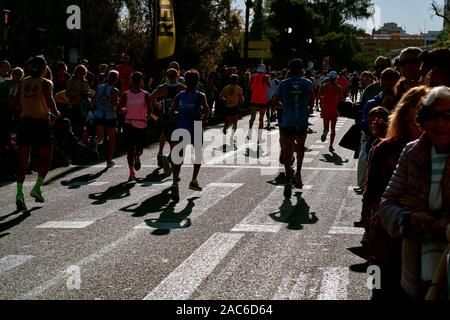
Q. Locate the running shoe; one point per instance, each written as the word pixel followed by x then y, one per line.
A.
pixel 331 149
pixel 20 203
pixel 137 162
pixel 132 177
pixel 175 192
pixel 195 186
pixel 323 138
pixel 110 164
pixel 159 160
pixel 287 190
pixel 166 166
pixel 37 195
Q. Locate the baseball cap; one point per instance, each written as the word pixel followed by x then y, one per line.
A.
pixel 332 75
pixel 261 68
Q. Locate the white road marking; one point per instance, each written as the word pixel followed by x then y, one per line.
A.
pixel 188 276
pixel 65 224
pixel 313 153
pixel 315 146
pixel 12 261
pixel 346 230
pixel 263 228
pixel 334 284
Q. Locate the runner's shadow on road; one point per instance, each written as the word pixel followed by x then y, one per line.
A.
pixel 295 216
pixel 120 191
pixel 278 180
pixel 362 253
pixel 156 203
pixel 63 174
pixel 155 176
pixel 83 180
pixel 17 220
pixel 333 158
pixel 171 220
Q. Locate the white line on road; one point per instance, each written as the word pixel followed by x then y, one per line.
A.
pixel 346 230
pixel 188 276
pixel 315 146
pixel 334 284
pixel 65 224
pixel 13 261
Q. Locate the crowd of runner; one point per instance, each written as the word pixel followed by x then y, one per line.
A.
pixel 401 135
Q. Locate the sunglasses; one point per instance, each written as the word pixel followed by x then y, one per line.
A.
pixel 435 115
pixel 410 61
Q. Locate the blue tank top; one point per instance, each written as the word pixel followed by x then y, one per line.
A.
pixel 104 108
pixel 189 110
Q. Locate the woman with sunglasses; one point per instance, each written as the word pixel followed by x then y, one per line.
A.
pixel 416 203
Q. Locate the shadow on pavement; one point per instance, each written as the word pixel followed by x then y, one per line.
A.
pixel 154 177
pixel 278 180
pixel 296 216
pixel 333 158
pixel 359 251
pixel 360 267
pixel 63 174
pixel 156 203
pixel 120 191
pixel 170 220
pixel 83 180
pixel 19 219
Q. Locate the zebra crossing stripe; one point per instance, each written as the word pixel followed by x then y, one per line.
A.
pixel 189 275
pixel 13 261
pixel 334 284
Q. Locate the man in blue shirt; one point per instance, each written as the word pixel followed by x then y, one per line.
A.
pixel 296 94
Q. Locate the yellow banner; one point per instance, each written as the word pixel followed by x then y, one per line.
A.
pixel 165 30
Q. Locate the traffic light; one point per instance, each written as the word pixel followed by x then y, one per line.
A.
pixel 6 17
pixel 5 24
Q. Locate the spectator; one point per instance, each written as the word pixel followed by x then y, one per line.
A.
pixel 416 203
pixel 61 78
pixel 383 250
pixel 409 66
pixel 125 71
pixel 77 91
pixel 89 75
pixel 5 68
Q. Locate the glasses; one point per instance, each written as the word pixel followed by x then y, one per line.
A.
pixel 435 115
pixel 409 61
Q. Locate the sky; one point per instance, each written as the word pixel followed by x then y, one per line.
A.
pixel 413 15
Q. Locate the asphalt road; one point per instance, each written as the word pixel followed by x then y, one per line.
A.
pixel 99 237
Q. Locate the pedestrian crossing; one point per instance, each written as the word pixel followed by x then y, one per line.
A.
pixel 265 218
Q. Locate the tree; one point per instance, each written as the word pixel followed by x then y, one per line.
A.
pixel 258 28
pixel 317 28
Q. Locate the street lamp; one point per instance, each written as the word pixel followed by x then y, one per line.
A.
pixel 248 6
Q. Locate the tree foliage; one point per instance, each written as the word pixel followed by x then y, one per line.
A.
pixel 317 28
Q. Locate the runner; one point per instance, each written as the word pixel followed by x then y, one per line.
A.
pixel 297 95
pixel 36 103
pixel 166 92
pixel 106 101
pixel 191 106
pixel 135 104
pixel 258 101
pixel 233 97
pixel 331 93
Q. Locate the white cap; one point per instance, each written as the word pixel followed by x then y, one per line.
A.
pixel 436 93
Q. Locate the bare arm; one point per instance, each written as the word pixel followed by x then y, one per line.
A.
pixel 47 89
pixel 115 98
